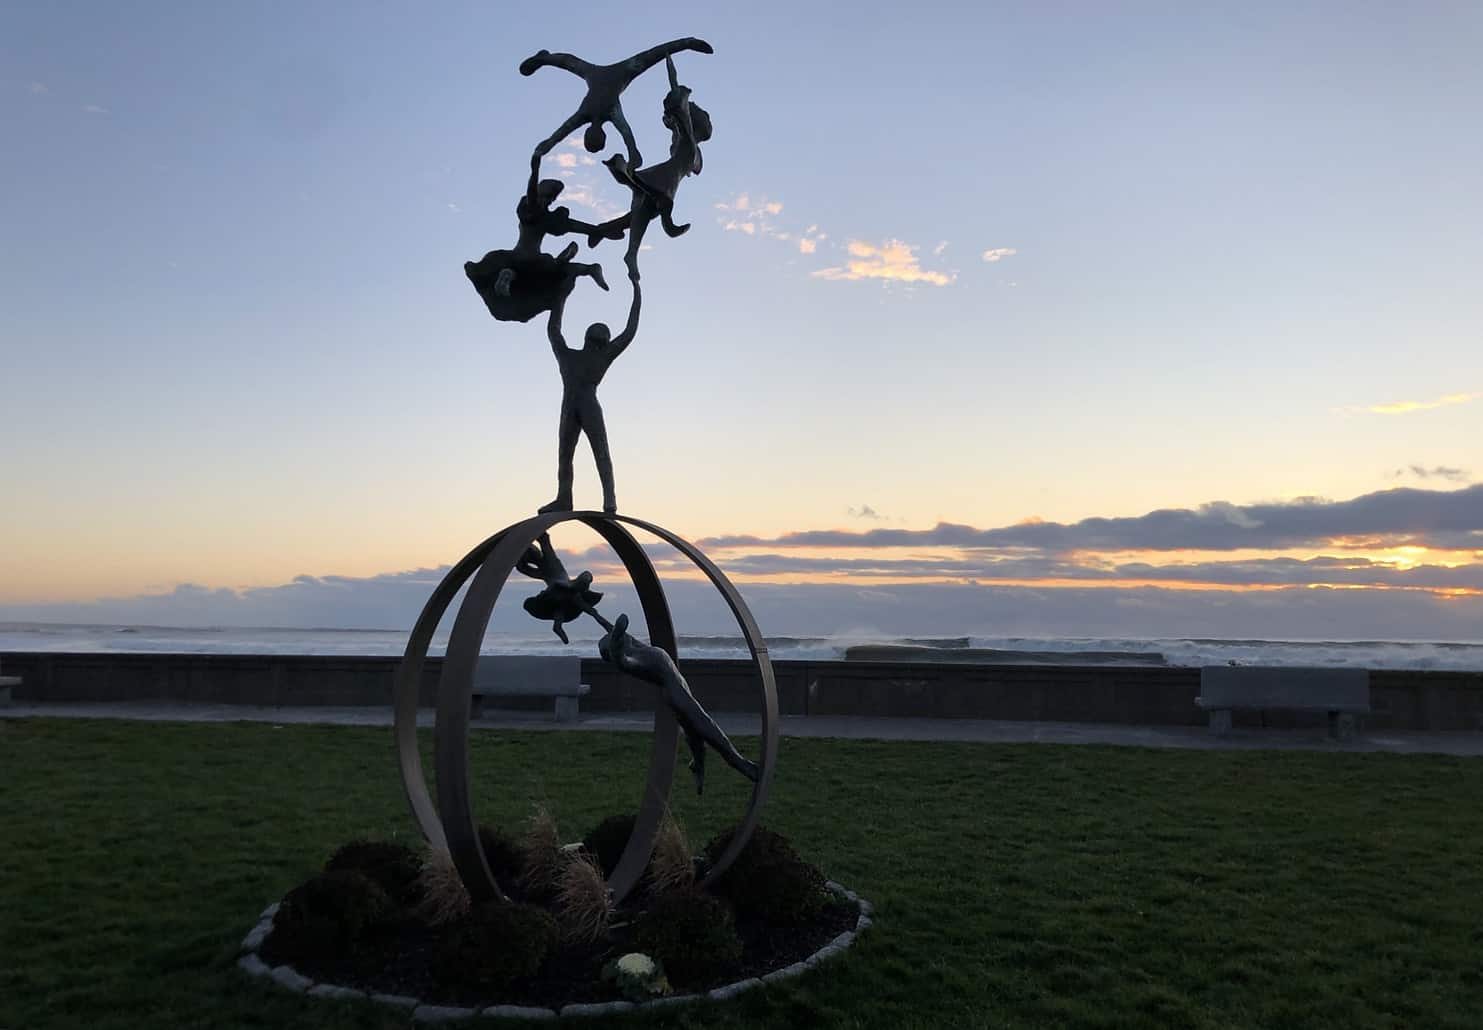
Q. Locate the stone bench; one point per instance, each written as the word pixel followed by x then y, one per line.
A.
pixel 1342 693
pixel 557 677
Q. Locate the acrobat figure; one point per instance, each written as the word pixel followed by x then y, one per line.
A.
pixel 581 373
pixel 520 283
pixel 605 84
pixel 654 187
pixel 652 665
pixel 564 599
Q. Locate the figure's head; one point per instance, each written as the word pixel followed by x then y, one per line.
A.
pixel 612 644
pixel 700 121
pixel 594 139
pixel 547 190
pixel 598 335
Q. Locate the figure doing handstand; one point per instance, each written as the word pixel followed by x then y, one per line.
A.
pixel 581 373
pixel 605 84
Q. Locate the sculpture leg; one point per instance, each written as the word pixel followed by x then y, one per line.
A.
pixel 597 436
pixel 635 160
pixel 697 760
pixel 638 224
pixel 698 723
pixel 550 142
pixel 566 450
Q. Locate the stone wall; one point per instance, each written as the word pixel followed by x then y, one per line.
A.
pixel 1142 695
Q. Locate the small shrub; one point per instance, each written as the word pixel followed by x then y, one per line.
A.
pixel 691 933
pixel 504 856
pixel 444 898
pixel 607 841
pixel 541 857
pixel 500 942
pixel 769 881
pixel 583 905
pixel 672 866
pixel 330 913
pixel 395 867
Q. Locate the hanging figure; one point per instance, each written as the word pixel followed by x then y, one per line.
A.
pixel 652 665
pixel 564 599
pixel 654 187
pixel 581 373
pixel 605 85
pixel 524 281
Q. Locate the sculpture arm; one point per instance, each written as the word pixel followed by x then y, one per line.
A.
pixel 642 62
pixel 553 331
pixel 623 339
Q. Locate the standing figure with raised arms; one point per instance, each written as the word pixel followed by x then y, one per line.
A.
pixel 605 84
pixel 581 373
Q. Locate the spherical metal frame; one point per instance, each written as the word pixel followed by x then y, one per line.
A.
pixel 451 825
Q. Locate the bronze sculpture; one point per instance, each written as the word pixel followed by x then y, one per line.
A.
pixel 516 285
pixel 581 372
pixel 654 187
pixel 605 85
pixel 522 282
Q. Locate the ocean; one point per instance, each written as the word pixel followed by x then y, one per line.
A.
pixel 1371 654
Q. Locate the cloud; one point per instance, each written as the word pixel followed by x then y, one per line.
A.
pixel 750 228
pixel 807 246
pixel 865 511
pixel 391 602
pixel 999 254
pixel 36 88
pixel 566 160
pixel 94 109
pixel 1455 475
pixel 891 261
pixel 1389 518
pixel 937 250
pixel 454 207
pixel 1408 407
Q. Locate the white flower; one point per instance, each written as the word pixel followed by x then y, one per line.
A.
pixel 636 964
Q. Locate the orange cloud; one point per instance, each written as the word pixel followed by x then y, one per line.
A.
pixel 999 254
pixel 891 261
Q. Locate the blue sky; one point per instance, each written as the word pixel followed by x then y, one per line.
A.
pixel 1234 259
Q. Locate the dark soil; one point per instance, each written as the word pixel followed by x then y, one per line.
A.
pixel 404 959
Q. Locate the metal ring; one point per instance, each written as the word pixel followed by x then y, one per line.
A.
pixel 495 559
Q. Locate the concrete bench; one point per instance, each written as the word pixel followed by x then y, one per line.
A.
pixel 1342 693
pixel 530 676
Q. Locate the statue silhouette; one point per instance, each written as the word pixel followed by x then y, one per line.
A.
pixel 581 373
pixel 522 282
pixel 605 85
pixel 652 665
pixel 564 599
pixel 654 187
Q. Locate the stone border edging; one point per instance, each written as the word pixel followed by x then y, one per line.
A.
pixel 287 977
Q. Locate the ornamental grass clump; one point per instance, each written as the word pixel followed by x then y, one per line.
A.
pixel 444 898
pixel 691 933
pixel 672 866
pixel 584 906
pixel 395 867
pixel 330 913
pixel 541 857
pixel 769 882
pixel 498 943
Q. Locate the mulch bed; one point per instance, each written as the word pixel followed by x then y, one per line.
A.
pixel 404 959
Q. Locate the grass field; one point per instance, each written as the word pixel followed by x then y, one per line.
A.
pixel 1016 885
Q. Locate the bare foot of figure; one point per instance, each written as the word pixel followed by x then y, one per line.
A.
pixel 560 504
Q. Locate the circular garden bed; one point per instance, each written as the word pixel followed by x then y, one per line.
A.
pixel 384 921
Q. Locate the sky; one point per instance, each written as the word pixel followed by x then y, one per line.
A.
pixel 1033 318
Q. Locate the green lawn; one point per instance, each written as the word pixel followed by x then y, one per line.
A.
pixel 1018 885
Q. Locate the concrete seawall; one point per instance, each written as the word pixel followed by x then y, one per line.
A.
pixel 1137 695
